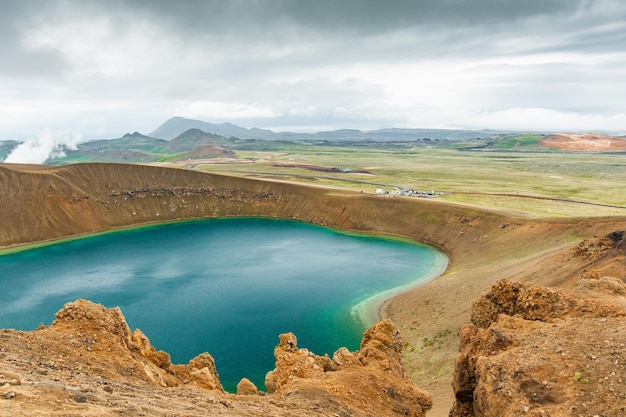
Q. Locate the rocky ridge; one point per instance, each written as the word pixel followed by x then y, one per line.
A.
pixel 88 363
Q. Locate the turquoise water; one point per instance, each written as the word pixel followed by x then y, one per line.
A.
pixel 228 286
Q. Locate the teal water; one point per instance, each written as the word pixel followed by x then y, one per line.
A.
pixel 227 286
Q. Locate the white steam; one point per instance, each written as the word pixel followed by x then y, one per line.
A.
pixel 47 145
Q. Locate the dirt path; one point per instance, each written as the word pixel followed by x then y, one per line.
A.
pixel 534 197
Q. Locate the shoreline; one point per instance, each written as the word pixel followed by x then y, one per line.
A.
pixel 372 309
pixel 368 311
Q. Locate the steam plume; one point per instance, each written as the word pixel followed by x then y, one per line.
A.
pixel 47 145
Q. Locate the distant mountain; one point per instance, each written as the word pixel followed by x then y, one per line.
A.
pixel 206 152
pixel 128 141
pixel 195 137
pixel 135 147
pixel 6 146
pixel 399 135
pixel 192 139
pixel 449 134
pixel 177 125
pixel 132 147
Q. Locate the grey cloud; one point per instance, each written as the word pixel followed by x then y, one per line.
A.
pixel 362 15
pixel 265 18
pixel 40 63
pixel 353 30
pixel 299 54
pixel 349 27
pixel 18 60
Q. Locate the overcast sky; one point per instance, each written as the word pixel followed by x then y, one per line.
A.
pixel 99 69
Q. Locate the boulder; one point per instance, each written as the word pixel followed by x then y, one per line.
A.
pixel 542 351
pixel 247 387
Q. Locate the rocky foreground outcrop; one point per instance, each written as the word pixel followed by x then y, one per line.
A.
pixel 530 351
pixel 371 379
pixel 533 351
pixel 88 363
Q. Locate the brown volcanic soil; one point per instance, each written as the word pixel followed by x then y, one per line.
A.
pixel 46 203
pixel 593 142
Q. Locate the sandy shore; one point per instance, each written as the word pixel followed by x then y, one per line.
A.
pixel 372 309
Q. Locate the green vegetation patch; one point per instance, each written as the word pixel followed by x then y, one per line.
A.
pixel 519 142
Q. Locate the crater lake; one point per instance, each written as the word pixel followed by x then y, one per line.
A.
pixel 224 286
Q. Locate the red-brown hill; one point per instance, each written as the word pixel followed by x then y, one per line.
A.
pixel 591 142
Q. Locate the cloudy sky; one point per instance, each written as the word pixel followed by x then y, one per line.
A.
pixel 99 69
